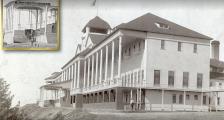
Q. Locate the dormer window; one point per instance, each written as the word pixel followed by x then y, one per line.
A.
pixel 162 25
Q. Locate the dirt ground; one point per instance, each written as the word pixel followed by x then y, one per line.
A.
pixel 162 116
pixel 33 112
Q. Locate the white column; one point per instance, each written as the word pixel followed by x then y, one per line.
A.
pixel 119 57
pixel 62 75
pixel 146 59
pixel 46 12
pixel 68 73
pixel 41 18
pixel 162 99
pixel 112 62
pixel 45 25
pixel 106 64
pixel 75 75
pixel 71 72
pixel 84 84
pixel 6 18
pixel 88 79
pixel 92 76
pixel 101 65
pixel 78 75
pixel 65 74
pixel 96 75
pixel 13 14
pixel 131 94
pixel 19 19
pixel 72 78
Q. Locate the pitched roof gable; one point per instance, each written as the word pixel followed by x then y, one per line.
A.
pixel 97 22
pixel 151 23
pixel 53 75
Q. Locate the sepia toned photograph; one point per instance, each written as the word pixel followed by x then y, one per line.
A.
pixel 30 24
pixel 119 60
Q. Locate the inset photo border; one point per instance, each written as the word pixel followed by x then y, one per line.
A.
pixel 30 25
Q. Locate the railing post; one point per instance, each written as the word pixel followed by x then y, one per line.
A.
pixel 112 62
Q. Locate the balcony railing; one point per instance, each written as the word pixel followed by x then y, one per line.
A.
pixel 132 78
pixel 218 87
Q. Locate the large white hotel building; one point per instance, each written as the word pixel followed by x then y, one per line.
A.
pixel 157 63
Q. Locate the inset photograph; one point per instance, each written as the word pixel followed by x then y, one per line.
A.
pixel 30 25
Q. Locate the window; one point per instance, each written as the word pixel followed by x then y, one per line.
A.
pixel 218 100
pixel 174 98
pixel 73 99
pixel 162 44
pixel 195 48
pixel 209 100
pixel 185 79
pixel 181 99
pixel 199 80
pixel 195 97
pixel 171 78
pixel 156 77
pixel 139 46
pixel 210 84
pixel 204 100
pixel 131 79
pixel 179 46
pixel 162 25
pixel 142 74
pixel 187 97
pixel 53 28
pixel 139 76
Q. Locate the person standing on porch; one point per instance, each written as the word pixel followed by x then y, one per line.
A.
pixel 132 102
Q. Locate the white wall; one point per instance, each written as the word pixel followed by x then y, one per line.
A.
pixel 172 59
pixel 153 101
pixel 135 60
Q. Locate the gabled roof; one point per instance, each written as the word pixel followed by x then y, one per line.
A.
pixel 53 75
pixel 51 2
pixel 81 54
pixel 97 22
pixel 216 63
pixel 150 23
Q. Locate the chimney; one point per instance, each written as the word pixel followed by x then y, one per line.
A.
pixel 215 49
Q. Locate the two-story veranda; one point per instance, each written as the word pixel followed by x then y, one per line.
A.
pixel 113 66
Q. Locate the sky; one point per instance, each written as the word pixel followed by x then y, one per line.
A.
pixel 25 70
